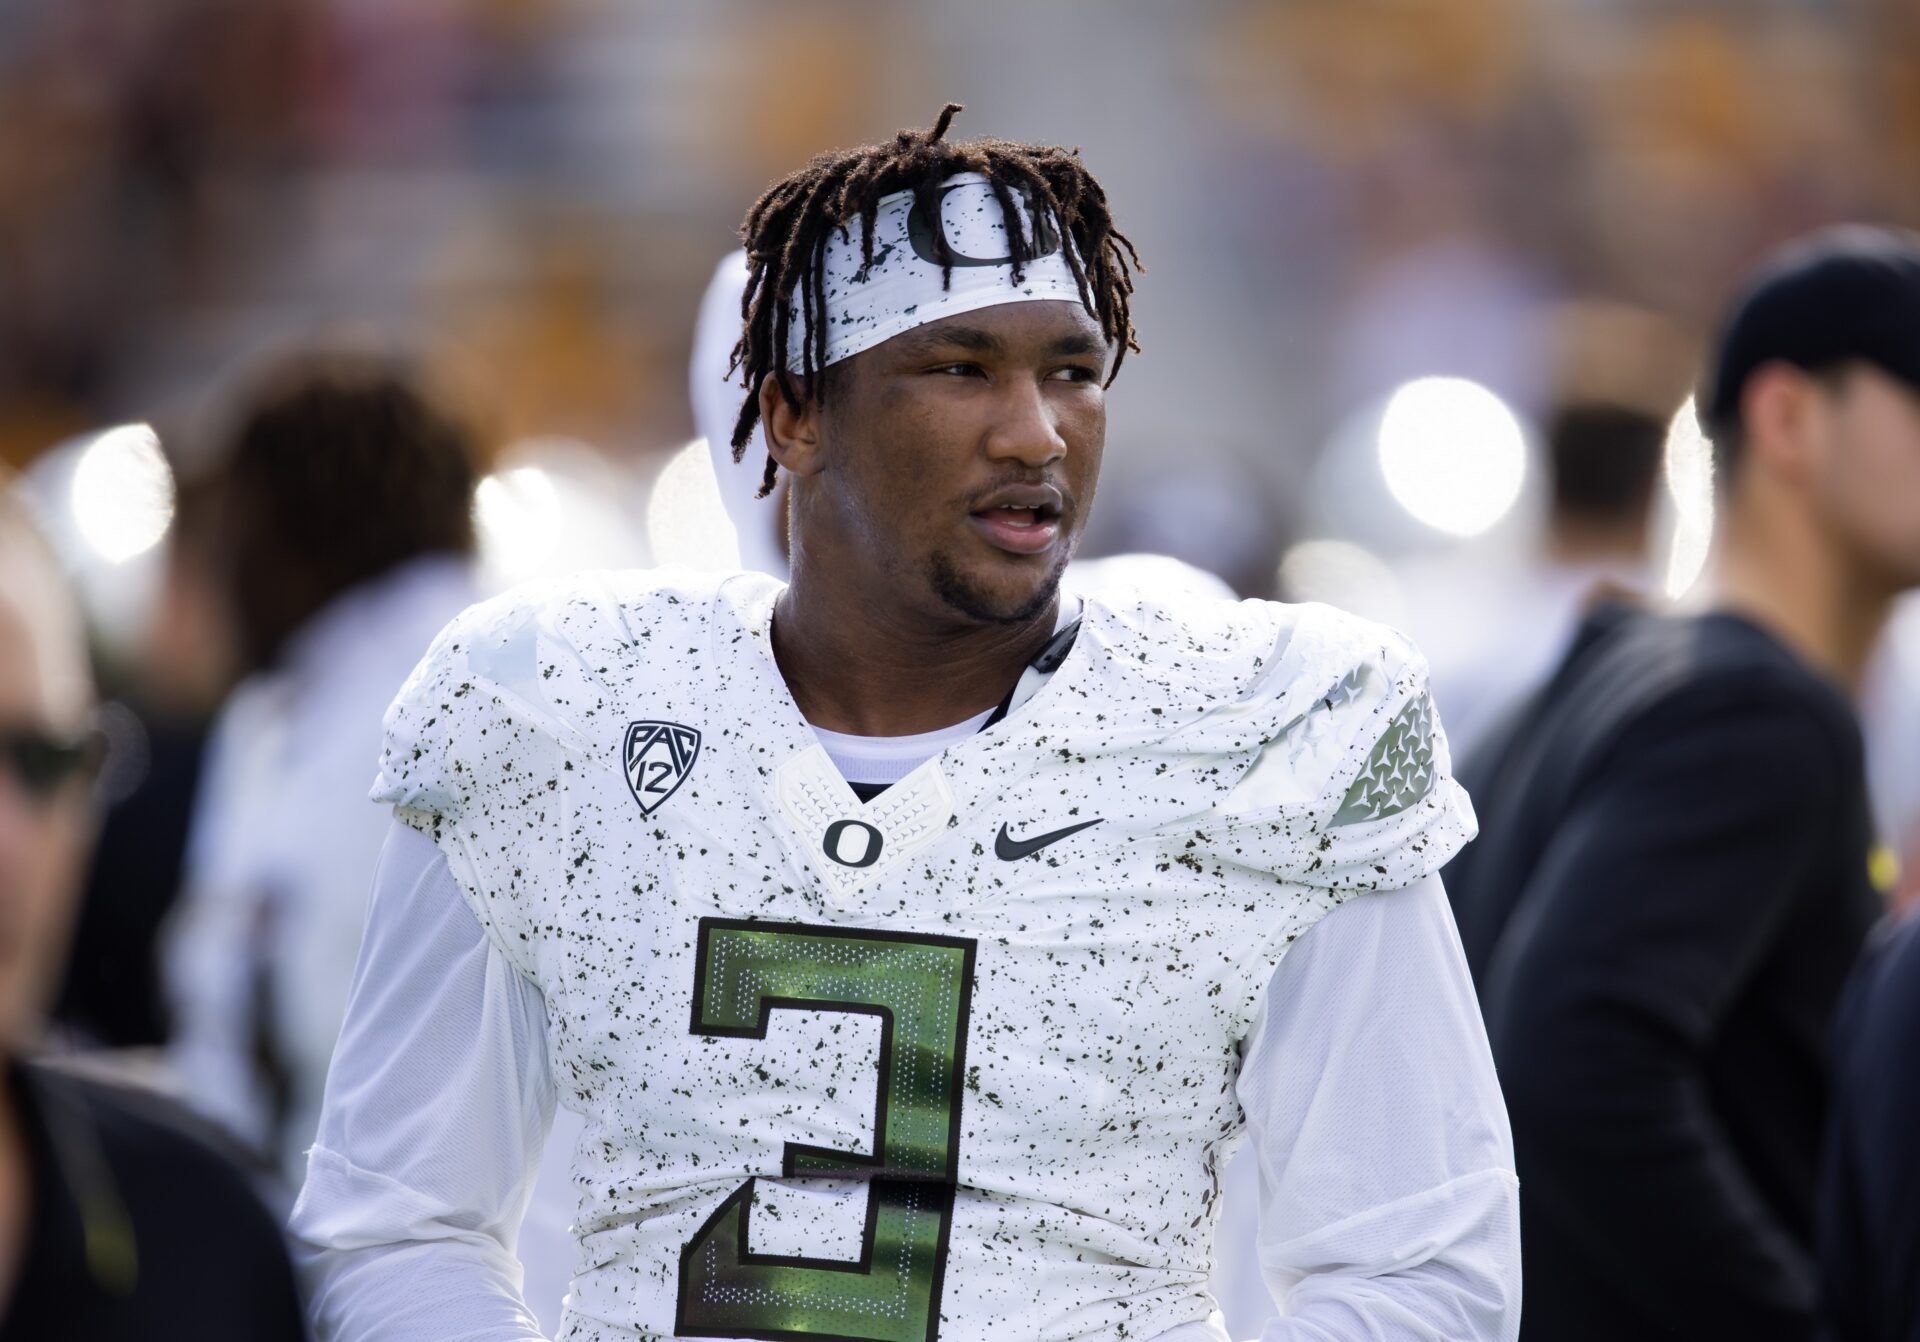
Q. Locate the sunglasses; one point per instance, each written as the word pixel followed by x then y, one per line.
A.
pixel 42 763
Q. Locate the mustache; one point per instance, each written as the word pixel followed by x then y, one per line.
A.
pixel 1021 480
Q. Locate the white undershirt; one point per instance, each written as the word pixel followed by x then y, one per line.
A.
pixel 888 759
pixel 1388 1206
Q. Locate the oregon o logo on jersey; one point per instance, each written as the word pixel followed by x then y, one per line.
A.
pixel 852 843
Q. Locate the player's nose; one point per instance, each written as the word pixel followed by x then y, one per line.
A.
pixel 1024 428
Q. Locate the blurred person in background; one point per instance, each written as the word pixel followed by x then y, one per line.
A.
pixel 160 705
pixel 115 1223
pixel 343 540
pixel 1890 718
pixel 1677 867
pixel 1870 1185
pixel 1603 460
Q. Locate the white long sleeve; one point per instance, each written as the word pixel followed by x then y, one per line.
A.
pixel 437 1108
pixel 1388 1202
pixel 1389 1208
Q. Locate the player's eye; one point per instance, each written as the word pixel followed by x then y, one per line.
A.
pixel 1073 372
pixel 959 369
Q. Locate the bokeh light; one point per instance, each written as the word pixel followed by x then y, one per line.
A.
pixel 1167 578
pixel 121 495
pixel 556 505
pixel 1689 474
pixel 519 518
pixel 687 524
pixel 1340 573
pixel 1453 454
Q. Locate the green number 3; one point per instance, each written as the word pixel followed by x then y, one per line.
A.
pixel 920 988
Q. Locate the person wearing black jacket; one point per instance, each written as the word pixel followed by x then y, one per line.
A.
pixel 1870 1191
pixel 1674 870
pixel 116 1224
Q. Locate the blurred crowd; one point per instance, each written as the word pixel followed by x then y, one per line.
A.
pixel 321 318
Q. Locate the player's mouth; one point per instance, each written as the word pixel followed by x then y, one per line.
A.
pixel 1020 519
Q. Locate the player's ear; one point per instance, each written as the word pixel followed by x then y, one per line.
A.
pixel 793 436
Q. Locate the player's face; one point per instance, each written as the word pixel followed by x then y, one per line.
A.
pixel 964 453
pixel 1867 475
pixel 44 828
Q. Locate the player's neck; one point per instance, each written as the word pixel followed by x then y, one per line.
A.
pixel 1784 577
pixel 873 668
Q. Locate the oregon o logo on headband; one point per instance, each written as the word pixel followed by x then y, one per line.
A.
pixel 904 285
pixel 920 232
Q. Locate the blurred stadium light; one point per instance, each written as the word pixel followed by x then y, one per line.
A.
pixel 1351 496
pixel 1346 575
pixel 1689 475
pixel 555 506
pixel 1453 454
pixel 518 513
pixel 121 494
pixel 105 501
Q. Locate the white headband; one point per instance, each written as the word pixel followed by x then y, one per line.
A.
pixel 902 289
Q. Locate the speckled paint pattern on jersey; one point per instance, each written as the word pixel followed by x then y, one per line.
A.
pixel 1116 971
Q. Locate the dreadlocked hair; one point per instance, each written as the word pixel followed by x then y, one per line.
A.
pixel 788 229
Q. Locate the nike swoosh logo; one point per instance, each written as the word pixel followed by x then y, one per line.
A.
pixel 1010 849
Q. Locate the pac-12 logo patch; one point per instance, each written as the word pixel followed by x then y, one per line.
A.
pixel 659 757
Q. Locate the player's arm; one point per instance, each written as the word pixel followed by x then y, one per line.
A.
pixel 437 1106
pixel 1648 915
pixel 1388 1208
pixel 1389 1205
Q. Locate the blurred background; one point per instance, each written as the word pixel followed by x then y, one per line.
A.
pixel 1427 285
pixel 1336 198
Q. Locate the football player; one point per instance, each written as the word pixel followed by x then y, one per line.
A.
pixel 916 942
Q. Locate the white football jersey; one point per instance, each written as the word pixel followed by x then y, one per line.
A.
pixel 954 1063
